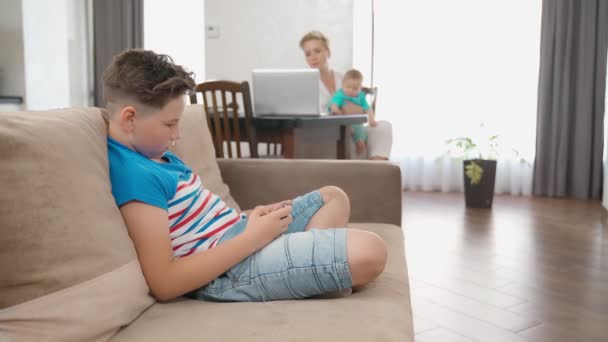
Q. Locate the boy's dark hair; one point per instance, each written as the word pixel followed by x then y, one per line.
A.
pixel 147 77
pixel 353 74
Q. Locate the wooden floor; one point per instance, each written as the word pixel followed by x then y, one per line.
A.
pixel 529 269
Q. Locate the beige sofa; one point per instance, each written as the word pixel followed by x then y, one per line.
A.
pixel 69 272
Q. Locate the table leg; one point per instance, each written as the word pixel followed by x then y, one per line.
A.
pixel 341 146
pixel 288 146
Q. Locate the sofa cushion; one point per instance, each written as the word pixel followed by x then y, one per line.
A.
pixel 196 149
pixel 62 235
pixel 384 305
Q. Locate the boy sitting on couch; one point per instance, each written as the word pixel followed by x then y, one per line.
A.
pixel 188 241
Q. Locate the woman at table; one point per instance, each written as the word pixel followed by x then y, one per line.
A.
pixel 379 133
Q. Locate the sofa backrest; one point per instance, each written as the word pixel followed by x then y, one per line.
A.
pixel 68 270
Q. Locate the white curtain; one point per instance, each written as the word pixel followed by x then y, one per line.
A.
pixel 445 67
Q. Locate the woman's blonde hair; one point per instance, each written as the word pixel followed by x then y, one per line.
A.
pixel 315 35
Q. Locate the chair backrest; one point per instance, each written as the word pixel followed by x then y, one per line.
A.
pixel 372 95
pixel 222 114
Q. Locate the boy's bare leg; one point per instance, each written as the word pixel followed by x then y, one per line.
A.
pixel 360 146
pixel 336 211
pixel 367 253
pixel 367 256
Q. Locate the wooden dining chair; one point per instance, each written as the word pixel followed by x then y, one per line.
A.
pixel 273 148
pixel 222 112
pixel 372 95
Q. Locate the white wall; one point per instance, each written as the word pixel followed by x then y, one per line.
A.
pixel 47 80
pixel 55 54
pixel 266 34
pixel 177 28
pixel 79 53
pixel 362 38
pixel 11 50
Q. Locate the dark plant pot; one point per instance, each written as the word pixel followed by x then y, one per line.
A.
pixel 480 195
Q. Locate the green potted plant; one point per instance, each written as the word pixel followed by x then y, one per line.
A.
pixel 478 157
pixel 479 168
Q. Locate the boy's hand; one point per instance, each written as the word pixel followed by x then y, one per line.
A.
pixel 335 109
pixel 270 207
pixel 279 205
pixel 264 225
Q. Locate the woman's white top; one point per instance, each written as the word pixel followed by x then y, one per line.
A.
pixel 324 94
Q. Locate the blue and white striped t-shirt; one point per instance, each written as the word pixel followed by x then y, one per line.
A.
pixel 197 217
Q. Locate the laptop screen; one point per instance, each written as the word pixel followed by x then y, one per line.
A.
pixel 286 92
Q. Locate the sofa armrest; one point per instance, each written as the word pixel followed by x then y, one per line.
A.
pixel 374 188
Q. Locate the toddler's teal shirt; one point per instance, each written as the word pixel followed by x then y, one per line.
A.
pixel 339 98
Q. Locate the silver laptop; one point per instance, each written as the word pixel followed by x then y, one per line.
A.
pixel 286 92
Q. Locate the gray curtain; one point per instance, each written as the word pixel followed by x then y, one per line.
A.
pixel 571 95
pixel 118 25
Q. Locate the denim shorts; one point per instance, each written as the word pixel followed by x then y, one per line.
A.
pixel 297 264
